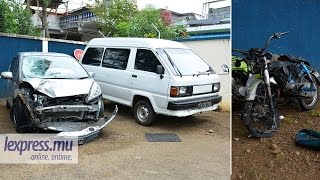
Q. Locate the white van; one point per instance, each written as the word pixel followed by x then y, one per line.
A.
pixel 153 76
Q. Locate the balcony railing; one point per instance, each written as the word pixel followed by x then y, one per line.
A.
pixel 72 21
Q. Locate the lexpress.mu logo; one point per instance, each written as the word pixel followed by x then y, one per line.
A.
pixel 37 145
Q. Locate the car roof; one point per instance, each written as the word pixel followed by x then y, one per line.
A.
pixel 136 42
pixel 42 54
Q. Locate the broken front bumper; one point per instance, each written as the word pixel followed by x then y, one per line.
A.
pixel 84 131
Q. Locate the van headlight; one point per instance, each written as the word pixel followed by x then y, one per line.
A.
pixel 216 87
pixel 95 92
pixel 181 91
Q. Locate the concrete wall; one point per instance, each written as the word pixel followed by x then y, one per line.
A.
pixel 219 13
pixel 216 52
pixel 54 21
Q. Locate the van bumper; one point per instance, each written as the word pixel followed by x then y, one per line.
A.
pixel 195 104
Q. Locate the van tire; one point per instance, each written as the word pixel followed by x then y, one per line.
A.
pixel 144 113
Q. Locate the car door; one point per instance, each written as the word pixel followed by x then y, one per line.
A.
pixel 145 80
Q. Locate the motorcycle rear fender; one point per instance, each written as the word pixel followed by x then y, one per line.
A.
pixel 317 77
pixel 252 85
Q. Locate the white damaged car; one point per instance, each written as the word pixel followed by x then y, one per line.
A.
pixel 52 91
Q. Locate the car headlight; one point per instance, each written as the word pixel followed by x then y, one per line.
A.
pixel 94 93
pixel 216 87
pixel 180 91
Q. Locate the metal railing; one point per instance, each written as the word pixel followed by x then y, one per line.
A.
pixel 72 20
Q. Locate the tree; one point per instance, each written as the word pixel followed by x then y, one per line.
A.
pixel 16 19
pixel 142 25
pixel 112 13
pixel 44 16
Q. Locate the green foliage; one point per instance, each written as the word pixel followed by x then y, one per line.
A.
pixel 112 13
pixel 141 26
pixel 122 19
pixel 15 19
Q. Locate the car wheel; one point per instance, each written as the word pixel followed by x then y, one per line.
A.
pixel 20 119
pixel 144 113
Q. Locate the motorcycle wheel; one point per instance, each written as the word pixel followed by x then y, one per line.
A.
pixel 306 104
pixel 260 120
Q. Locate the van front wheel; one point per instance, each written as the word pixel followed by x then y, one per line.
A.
pixel 144 113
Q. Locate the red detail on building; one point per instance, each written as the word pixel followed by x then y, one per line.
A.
pixel 166 17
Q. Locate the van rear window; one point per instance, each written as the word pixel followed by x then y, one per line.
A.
pixel 93 56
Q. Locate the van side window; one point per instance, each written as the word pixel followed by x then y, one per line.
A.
pixel 116 58
pixel 93 56
pixel 146 61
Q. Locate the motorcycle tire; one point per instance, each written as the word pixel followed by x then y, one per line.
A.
pixel 304 105
pixel 264 123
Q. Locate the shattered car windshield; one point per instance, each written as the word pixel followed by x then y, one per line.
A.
pixel 52 67
pixel 184 62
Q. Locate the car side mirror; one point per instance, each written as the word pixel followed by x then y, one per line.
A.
pixel 7 75
pixel 160 70
pixel 92 74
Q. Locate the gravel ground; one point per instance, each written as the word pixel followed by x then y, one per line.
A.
pixel 277 157
pixel 122 152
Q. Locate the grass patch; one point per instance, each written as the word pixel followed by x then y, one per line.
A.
pixel 253 174
pixel 313 113
pixel 307 124
pixel 288 120
pixel 281 157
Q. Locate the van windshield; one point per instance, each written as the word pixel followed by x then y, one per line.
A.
pixel 184 62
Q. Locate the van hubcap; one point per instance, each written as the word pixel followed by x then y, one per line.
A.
pixel 143 113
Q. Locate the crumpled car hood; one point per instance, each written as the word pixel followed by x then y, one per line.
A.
pixel 60 87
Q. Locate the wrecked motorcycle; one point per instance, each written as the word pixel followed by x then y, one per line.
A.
pixel 261 79
pixel 251 83
pixel 296 80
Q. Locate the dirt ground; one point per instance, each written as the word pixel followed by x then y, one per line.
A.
pixel 122 152
pixel 277 157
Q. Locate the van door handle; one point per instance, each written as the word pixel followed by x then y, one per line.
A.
pixel 135 76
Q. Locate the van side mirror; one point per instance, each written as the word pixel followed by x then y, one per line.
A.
pixel 7 75
pixel 225 67
pixel 160 70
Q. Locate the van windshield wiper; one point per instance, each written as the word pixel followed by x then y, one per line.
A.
pixel 172 63
pixel 207 72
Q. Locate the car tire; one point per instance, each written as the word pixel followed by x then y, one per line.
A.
pixel 144 113
pixel 20 118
